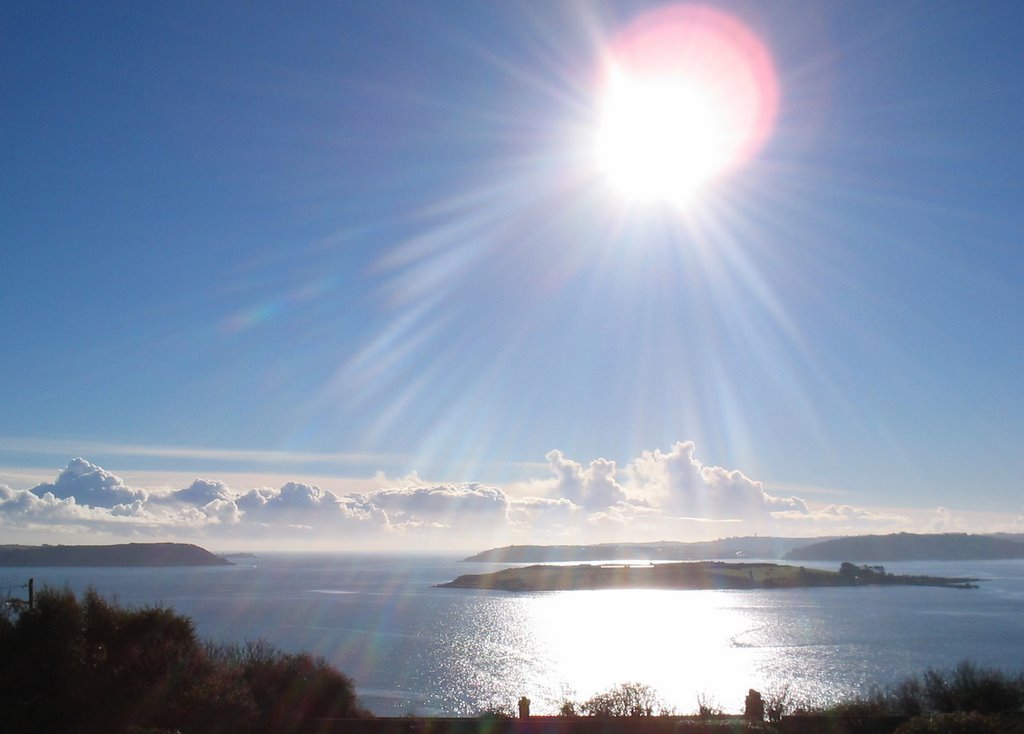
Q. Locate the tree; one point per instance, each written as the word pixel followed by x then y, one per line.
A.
pixel 625 699
pixel 90 666
pixel 778 700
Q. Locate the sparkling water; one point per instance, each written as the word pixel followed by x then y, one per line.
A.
pixel 413 648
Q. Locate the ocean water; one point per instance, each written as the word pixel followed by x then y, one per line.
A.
pixel 413 648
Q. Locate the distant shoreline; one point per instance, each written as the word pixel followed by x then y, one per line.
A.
pixel 698 575
pixel 861 548
pixel 123 555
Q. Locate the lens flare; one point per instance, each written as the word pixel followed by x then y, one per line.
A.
pixel 688 93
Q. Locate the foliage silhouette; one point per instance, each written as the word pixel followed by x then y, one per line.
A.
pixel 778 701
pixel 625 699
pixel 91 666
pixel 952 723
pixel 707 706
pixel 965 688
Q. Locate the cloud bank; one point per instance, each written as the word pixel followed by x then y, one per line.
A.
pixel 659 495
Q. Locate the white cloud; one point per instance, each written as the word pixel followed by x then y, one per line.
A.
pixel 680 484
pixel 90 485
pixel 442 505
pixel 26 509
pixel 659 495
pixel 298 506
pixel 293 497
pixel 848 513
pixel 202 492
pixel 943 520
pixel 843 519
pixel 593 488
pixel 23 505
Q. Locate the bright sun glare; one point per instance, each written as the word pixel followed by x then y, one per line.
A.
pixel 688 94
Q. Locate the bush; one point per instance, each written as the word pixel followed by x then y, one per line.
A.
pixel 965 688
pixel 91 666
pixel 291 691
pixel 778 701
pixel 625 699
pixel 969 688
pixel 707 706
pixel 953 723
pixel 875 703
pixel 568 708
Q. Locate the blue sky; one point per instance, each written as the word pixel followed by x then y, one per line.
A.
pixel 361 247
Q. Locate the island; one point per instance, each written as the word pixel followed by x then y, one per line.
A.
pixel 695 575
pixel 911 547
pixel 128 554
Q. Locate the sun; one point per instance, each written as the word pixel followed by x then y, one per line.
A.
pixel 661 137
pixel 688 94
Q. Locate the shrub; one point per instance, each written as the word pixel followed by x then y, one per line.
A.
pixel 965 688
pixel 568 707
pixel 778 701
pixel 969 688
pixel 497 712
pixel 707 706
pixel 91 666
pixel 291 691
pixel 951 723
pixel 874 703
pixel 625 699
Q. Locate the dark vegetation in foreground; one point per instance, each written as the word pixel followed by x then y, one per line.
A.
pixel 965 700
pixel 86 665
pixel 70 665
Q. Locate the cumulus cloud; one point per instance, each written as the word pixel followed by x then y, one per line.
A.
pixel 546 517
pixel 943 520
pixel 593 488
pixel 441 505
pixel 848 513
pixel 660 494
pixel 292 498
pixel 25 506
pixel 89 485
pixel 202 492
pixel 28 509
pixel 87 498
pixel 845 515
pixel 679 483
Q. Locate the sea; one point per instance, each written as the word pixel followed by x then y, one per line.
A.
pixel 414 649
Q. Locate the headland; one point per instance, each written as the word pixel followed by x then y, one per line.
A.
pixel 127 554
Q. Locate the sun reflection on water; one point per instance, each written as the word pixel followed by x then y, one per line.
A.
pixel 553 646
pixel 601 638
